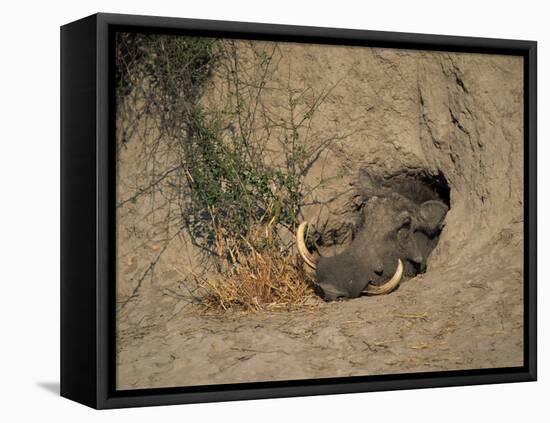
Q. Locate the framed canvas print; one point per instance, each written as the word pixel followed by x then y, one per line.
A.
pixel 254 211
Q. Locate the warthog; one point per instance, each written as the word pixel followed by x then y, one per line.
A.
pixel 397 229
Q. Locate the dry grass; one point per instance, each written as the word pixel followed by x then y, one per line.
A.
pixel 261 281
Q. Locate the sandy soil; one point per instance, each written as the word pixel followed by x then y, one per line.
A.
pixel 460 114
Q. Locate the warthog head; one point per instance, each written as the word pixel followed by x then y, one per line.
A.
pixel 393 238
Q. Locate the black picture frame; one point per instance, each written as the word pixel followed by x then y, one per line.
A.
pixel 87 211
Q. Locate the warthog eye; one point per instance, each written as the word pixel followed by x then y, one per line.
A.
pixel 404 229
pixel 404 221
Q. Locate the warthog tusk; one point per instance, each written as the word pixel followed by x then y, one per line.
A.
pixel 389 286
pixel 301 245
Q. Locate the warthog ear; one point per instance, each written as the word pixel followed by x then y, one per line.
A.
pixel 432 214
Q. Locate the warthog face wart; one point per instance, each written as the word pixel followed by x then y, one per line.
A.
pixel 394 238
